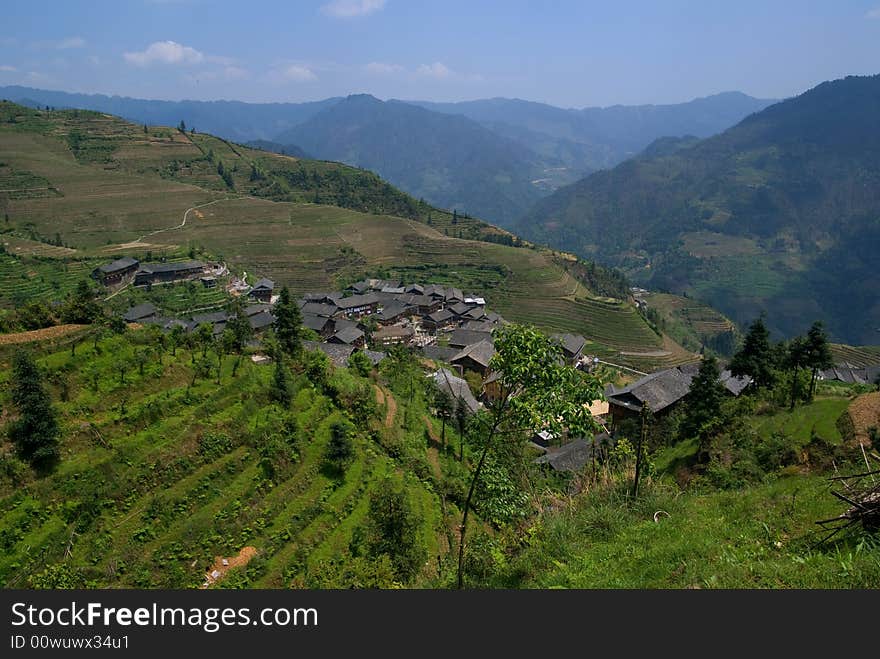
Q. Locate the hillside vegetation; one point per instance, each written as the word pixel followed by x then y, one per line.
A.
pixel 779 214
pixel 313 225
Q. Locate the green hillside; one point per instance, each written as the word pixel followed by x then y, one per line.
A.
pixel 312 225
pixel 449 160
pixel 779 214
pixel 165 467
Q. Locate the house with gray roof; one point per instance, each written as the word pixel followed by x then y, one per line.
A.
pixel 663 390
pixel 116 271
pixel 262 290
pixel 457 389
pixel 337 352
pixel 348 336
pixel 462 337
pixel 140 313
pixel 155 273
pixel 475 357
pixel 572 345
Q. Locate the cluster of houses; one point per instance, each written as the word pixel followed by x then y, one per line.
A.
pixel 128 269
pixel 455 331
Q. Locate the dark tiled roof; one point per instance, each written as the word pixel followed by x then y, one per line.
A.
pixel 477 313
pixel 314 322
pixel 140 312
pixel 171 267
pixel 661 389
pixel 479 326
pixel 393 310
pixel 357 301
pixel 374 356
pixel 572 456
pixel 348 335
pixel 462 337
pixel 393 331
pixel 337 352
pixel 415 288
pixel 264 285
pixel 852 374
pixel 457 388
pixel 460 308
pixel 441 316
pixel 261 320
pixel 439 353
pixel 572 344
pixel 480 352
pixel 319 309
pixel 117 265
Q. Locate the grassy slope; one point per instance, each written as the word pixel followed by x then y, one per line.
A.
pixel 761 537
pixel 145 502
pixel 125 191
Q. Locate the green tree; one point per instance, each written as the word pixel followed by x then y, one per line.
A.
pixel 177 338
pixel 393 529
pixel 537 389
pixel 239 325
pixel 797 358
pixel 757 357
pixel 81 306
pixel 35 432
pixel 205 337
pixel 818 354
pixel 704 404
pixel 288 323
pixel 280 383
pixel 444 405
pixel 360 363
pixel 340 448
pixel 181 126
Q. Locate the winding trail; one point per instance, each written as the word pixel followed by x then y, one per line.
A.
pixel 183 222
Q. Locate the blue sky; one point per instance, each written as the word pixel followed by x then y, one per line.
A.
pixel 564 52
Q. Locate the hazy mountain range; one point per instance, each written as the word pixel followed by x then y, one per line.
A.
pixel 491 158
pixel 779 214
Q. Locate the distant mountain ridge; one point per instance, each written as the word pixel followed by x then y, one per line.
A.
pixel 448 160
pixel 493 158
pixel 233 120
pixel 779 214
pixel 611 134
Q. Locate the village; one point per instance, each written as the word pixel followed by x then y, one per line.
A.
pixel 450 329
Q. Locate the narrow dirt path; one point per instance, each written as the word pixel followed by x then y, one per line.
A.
pixel 386 399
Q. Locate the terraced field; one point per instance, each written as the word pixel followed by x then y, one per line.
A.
pixel 149 492
pixel 26 278
pixel 856 355
pixel 125 190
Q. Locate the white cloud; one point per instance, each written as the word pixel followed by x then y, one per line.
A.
pixel 7 68
pixel 297 73
pixel 165 52
pixel 382 68
pixel 436 70
pixel 70 42
pixel 873 13
pixel 352 8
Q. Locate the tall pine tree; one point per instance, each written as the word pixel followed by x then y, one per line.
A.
pixel 288 322
pixel 35 432
pixel 757 358
pixel 704 403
